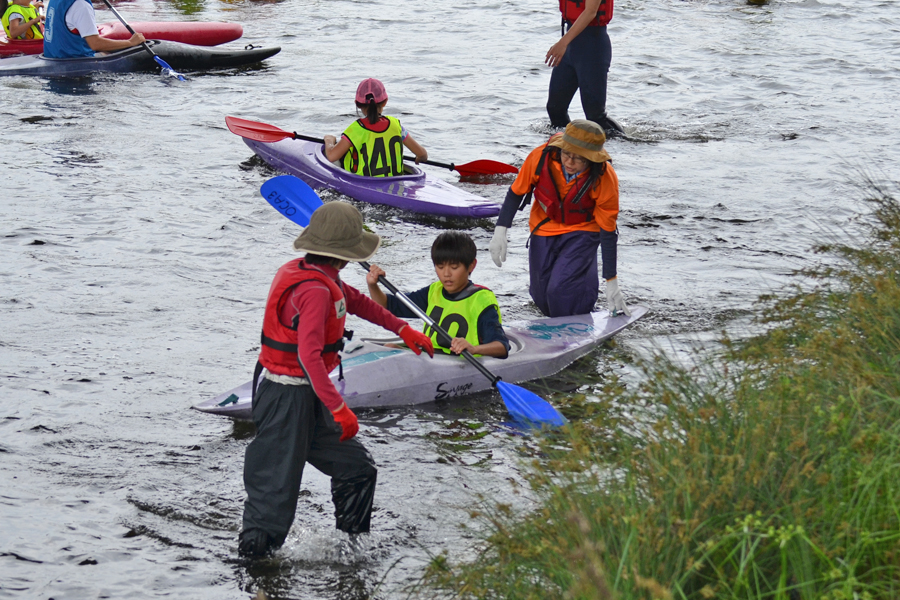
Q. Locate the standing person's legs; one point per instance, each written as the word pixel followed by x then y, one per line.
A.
pixel 352 471
pixel 591 56
pixel 542 255
pixel 273 465
pixel 569 283
pixel 563 85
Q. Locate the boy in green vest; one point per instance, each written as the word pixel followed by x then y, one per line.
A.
pixel 21 20
pixel 468 312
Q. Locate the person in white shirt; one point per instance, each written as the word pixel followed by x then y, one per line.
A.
pixel 71 31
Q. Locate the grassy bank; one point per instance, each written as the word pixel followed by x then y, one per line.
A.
pixel 771 470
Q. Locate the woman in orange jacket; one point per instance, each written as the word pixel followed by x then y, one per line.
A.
pixel 576 204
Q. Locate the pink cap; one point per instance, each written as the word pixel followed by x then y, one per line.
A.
pixel 371 87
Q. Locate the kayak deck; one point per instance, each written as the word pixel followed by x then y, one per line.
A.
pixel 376 375
pixel 181 57
pixel 416 191
pixel 198 33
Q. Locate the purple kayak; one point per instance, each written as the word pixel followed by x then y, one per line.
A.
pixel 417 191
pixel 378 375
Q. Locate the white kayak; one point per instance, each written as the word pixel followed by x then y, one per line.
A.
pixel 376 375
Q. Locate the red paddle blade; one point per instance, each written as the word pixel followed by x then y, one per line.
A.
pixel 484 167
pixel 254 130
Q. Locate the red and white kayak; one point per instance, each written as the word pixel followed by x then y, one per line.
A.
pixel 200 33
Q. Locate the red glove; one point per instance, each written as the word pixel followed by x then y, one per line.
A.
pixel 416 340
pixel 347 420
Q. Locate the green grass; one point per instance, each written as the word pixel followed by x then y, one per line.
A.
pixel 770 470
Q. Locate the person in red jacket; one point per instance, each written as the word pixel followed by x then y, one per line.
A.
pixel 299 415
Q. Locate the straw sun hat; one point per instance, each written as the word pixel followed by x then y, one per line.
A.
pixel 584 138
pixel 336 230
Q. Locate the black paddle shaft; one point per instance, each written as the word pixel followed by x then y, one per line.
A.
pixel 440 330
pixel 307 138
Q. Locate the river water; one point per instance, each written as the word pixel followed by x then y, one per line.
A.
pixel 136 252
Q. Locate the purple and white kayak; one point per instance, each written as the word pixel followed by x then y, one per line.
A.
pixel 376 375
pixel 417 191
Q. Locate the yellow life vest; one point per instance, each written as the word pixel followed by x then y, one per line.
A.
pixel 458 317
pixel 375 154
pixel 28 13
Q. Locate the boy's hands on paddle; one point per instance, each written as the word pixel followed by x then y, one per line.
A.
pixel 459 345
pixel 374 273
pixel 375 292
pixel 347 420
pixel 416 340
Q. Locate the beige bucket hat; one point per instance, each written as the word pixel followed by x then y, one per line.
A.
pixel 584 138
pixel 336 229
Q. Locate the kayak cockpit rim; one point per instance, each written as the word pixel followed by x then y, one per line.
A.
pixel 101 56
pixel 412 172
pixel 515 344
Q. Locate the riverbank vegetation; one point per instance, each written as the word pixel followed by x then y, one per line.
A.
pixel 769 470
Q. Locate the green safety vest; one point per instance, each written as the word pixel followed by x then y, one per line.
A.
pixel 28 13
pixel 375 154
pixel 458 317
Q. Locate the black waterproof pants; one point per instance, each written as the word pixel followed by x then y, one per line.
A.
pixel 293 427
pixel 585 67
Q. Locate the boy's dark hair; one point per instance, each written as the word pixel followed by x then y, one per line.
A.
pixel 318 259
pixel 453 246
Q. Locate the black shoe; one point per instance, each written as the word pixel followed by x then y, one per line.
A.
pixel 611 127
pixel 254 543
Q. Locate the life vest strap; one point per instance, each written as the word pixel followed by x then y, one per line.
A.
pixel 257 371
pixel 533 231
pixel 286 347
pixel 338 345
pixel 275 344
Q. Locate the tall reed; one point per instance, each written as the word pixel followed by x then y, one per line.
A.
pixel 769 470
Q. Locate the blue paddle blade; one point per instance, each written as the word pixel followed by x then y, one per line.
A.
pixel 291 197
pixel 528 408
pixel 167 69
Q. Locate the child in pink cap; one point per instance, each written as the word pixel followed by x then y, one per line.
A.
pixel 373 145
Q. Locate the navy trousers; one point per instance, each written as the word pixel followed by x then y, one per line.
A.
pixel 585 67
pixel 563 271
pixel 293 427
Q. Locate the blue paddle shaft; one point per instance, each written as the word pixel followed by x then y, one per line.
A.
pixel 146 47
pixel 525 407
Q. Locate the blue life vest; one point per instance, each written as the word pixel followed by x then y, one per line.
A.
pixel 59 42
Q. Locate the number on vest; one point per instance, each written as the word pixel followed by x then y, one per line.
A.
pixel 462 326
pixel 378 160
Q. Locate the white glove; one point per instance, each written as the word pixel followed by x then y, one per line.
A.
pixel 614 299
pixel 498 246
